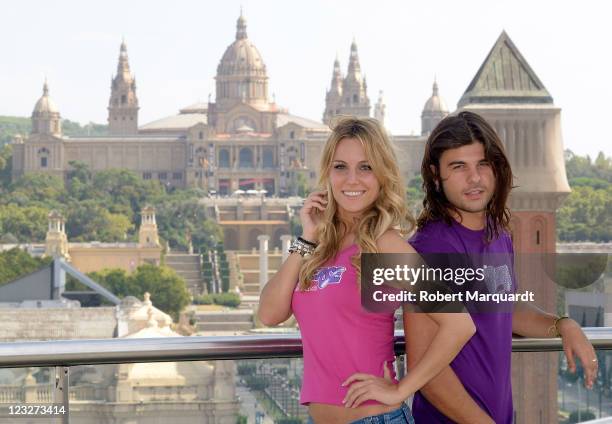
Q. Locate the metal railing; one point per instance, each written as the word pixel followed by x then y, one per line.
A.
pixel 63 354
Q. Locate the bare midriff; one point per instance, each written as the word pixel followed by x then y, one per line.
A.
pixel 322 413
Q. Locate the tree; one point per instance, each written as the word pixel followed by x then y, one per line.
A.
pixel 89 220
pixel 37 189
pixel 168 291
pixel 6 166
pixel 178 215
pixel 15 263
pixel 586 215
pixel 26 224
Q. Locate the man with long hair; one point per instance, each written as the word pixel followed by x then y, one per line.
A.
pixel 467 180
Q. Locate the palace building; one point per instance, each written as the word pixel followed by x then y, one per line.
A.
pixel 242 140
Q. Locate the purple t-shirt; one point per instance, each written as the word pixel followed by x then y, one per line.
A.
pixel 483 365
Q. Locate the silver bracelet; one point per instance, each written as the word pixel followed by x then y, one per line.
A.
pixel 302 248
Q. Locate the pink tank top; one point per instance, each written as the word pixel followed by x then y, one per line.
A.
pixel 339 337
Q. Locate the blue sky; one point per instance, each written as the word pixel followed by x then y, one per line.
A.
pixel 175 47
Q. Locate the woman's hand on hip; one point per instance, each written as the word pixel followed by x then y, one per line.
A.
pixel 369 387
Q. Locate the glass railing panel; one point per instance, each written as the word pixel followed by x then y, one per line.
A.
pixel 27 395
pixel 578 404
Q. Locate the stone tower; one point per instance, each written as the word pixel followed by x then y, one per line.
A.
pixel 333 97
pixel 123 103
pixel 508 93
pixel 56 241
pixel 433 112
pixel 46 118
pixel 147 234
pixel 380 109
pixel 352 98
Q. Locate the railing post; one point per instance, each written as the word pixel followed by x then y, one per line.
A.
pixel 61 391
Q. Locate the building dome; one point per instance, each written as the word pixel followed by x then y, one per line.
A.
pixel 241 74
pixel 45 104
pixel 241 58
pixel 435 103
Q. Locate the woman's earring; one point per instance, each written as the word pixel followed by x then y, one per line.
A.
pixel 437 186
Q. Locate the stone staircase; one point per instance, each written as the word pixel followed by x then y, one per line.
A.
pixel 188 267
pixel 236 320
pixel 248 265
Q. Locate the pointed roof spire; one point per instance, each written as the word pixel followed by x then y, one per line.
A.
pixel 435 86
pixel 123 65
pixel 354 68
pixel 241 27
pixel 505 77
pixel 45 88
pixel 336 80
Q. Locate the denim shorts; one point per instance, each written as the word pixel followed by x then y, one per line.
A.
pixel 400 415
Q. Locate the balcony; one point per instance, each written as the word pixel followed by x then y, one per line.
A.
pixel 90 379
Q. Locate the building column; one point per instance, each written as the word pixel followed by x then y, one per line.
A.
pixel 285 242
pixel 263 260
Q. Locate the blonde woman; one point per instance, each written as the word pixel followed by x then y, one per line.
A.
pixel 348 352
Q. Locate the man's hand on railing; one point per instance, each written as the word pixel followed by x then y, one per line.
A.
pixel 576 344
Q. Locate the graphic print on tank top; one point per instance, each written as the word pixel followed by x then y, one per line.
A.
pixel 326 276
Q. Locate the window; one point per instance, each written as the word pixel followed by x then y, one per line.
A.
pixel 224 161
pixel 177 176
pixel 123 99
pixel 201 135
pixel 44 157
pixel 245 158
pixel 146 176
pixel 292 135
pixel 162 176
pixel 268 157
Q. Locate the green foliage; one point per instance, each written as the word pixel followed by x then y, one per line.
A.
pixel 13 125
pixel 256 382
pixel 89 220
pixel 36 189
pixel 168 291
pixel 586 214
pixel 104 206
pixel 241 419
pixel 247 369
pixel 415 195
pixel 180 216
pixel 72 128
pixel 582 166
pixel 226 299
pixel 25 224
pixel 6 165
pixel 16 263
pixel 585 415
pixel 204 299
pixel 298 184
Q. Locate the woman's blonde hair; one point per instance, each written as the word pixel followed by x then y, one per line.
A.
pixel 389 211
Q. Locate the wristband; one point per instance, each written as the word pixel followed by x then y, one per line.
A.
pixel 553 330
pixel 310 243
pixel 301 247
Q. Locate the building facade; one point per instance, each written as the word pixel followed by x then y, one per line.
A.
pixel 242 140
